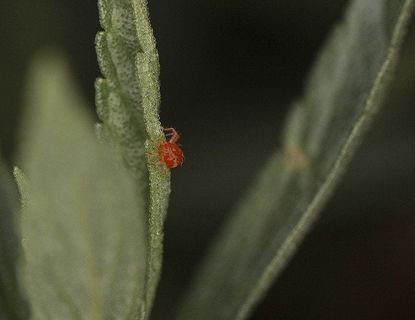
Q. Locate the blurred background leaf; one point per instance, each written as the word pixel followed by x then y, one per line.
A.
pixel 83 221
pixel 227 61
pixel 12 304
pixel 343 92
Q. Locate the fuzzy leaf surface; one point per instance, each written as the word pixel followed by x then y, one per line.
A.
pixel 343 93
pixel 83 223
pixel 128 100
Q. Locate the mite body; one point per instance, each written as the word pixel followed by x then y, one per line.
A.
pixel 169 151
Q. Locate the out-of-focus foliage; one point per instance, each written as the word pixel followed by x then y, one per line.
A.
pixel 83 223
pixel 344 91
pixel 12 305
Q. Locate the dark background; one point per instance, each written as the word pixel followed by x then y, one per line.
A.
pixel 229 70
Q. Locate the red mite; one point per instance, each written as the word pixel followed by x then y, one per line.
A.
pixel 170 152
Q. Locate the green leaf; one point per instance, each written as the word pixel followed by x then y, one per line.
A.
pixel 128 100
pixel 343 92
pixel 12 302
pixel 83 222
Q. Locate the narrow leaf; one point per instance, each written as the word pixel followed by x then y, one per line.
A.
pixel 343 92
pixel 12 302
pixel 128 100
pixel 83 217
